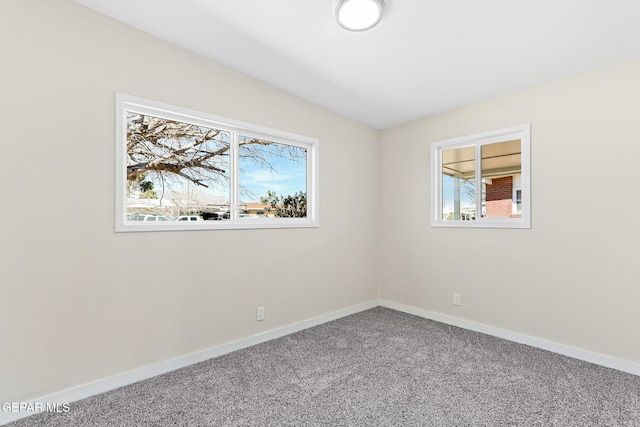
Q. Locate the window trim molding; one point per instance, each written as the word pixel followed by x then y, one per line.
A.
pixel 521 132
pixel 126 103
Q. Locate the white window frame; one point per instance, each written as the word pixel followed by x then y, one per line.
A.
pixel 523 133
pixel 125 103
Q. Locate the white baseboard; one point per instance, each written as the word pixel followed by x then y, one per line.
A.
pixel 576 353
pixel 130 377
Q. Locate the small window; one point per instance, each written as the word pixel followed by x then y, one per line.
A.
pixel 179 169
pixel 482 180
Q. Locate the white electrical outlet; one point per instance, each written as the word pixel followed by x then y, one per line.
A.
pixel 260 314
pixel 456 299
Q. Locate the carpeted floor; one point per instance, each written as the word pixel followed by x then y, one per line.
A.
pixel 376 368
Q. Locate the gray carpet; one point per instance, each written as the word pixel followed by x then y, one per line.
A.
pixel 376 368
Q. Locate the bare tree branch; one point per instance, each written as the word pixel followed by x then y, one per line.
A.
pixel 169 147
pixel 198 154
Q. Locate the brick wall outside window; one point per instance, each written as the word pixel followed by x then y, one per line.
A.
pixel 499 198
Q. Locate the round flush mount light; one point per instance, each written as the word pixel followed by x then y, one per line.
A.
pixel 359 15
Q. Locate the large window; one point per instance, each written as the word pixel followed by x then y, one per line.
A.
pixel 482 180
pixel 179 169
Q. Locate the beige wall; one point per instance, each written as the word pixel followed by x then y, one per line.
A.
pixel 573 277
pixel 79 302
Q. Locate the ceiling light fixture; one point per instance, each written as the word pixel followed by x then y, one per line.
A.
pixel 359 15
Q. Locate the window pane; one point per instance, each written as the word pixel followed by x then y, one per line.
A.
pixel 501 165
pixel 458 184
pixel 175 169
pixel 272 180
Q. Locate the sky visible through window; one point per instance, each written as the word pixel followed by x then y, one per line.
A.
pixel 191 163
pixel 467 198
pixel 276 167
pixel 284 177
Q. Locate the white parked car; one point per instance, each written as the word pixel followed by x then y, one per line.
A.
pixel 189 218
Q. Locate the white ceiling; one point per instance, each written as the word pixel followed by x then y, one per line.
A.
pixel 424 57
